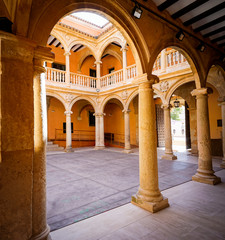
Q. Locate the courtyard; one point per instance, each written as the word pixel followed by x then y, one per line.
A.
pixel 86 182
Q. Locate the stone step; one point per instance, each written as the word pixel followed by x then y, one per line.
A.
pixel 53 147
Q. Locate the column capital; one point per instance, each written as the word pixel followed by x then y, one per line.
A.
pixel 99 114
pixel 38 66
pixel 166 106
pixel 98 62
pixel 68 113
pixel 126 111
pixel 124 48
pixel 144 78
pixel 199 91
pixel 67 53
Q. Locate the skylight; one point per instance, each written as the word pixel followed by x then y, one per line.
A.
pixel 92 18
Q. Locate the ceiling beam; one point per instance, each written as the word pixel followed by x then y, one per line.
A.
pixel 218 39
pixel 52 41
pixel 205 14
pixel 166 4
pixel 188 8
pixel 209 24
pixel 214 32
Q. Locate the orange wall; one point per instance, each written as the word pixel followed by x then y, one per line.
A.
pixel 109 62
pixel 130 57
pixel 214 114
pixel 89 62
pixel 56 117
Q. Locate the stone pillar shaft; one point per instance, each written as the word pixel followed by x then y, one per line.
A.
pixel 99 131
pixel 98 73
pixel 205 173
pixel 124 53
pixel 127 147
pixel 148 196
pixel 67 55
pixel 168 136
pixel 68 131
pixel 193 130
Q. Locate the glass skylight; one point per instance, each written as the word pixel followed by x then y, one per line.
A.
pixel 92 18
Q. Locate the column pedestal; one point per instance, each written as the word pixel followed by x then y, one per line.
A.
pixel 205 173
pixel 168 137
pixel 148 196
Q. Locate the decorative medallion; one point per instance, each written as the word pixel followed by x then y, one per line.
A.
pixel 124 95
pixel 164 86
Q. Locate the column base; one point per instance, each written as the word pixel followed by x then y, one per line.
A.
pixel 128 151
pixel 68 150
pixel 150 206
pixel 99 147
pixel 169 157
pixel 43 235
pixel 212 180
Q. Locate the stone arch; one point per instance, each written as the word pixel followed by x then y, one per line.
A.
pixel 114 54
pixel 160 95
pixel 114 96
pixel 61 39
pixel 90 47
pixel 58 97
pixel 176 85
pixel 105 44
pixel 131 98
pixel 81 98
pixel 216 77
pixel 188 52
pixel 82 58
pixel 48 16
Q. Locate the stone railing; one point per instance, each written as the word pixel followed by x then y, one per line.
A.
pixel 131 72
pixel 55 75
pixel 112 79
pixel 173 61
pixel 83 81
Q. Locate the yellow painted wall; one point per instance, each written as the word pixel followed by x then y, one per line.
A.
pixel 214 114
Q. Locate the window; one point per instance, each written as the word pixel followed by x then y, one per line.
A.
pixel 111 70
pixel 91 119
pixel 92 72
pixel 59 66
pixel 64 127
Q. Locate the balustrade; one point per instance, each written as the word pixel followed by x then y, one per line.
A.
pixel 111 79
pixel 55 75
pixel 82 80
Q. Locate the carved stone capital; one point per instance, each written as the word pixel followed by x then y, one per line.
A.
pixel 68 113
pixel 99 114
pixel 199 91
pixel 67 53
pixel 166 106
pixel 126 111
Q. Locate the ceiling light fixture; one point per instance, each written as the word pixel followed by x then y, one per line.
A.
pixel 176 103
pixel 180 35
pixel 137 12
pixel 201 47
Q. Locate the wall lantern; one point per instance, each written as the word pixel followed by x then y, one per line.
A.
pixel 201 47
pixel 97 90
pixel 176 103
pixel 180 35
pixel 137 12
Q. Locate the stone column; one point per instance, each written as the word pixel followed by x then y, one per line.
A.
pixel 68 132
pixel 40 229
pixel 127 147
pixel 148 196
pixel 99 131
pixel 168 136
pixel 205 173
pixel 222 104
pixel 124 53
pixel 193 130
pixel 67 55
pixel 98 73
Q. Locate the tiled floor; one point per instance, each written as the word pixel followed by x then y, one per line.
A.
pixel 197 211
pixel 88 182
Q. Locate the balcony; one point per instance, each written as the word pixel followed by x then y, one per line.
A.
pixel 55 77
